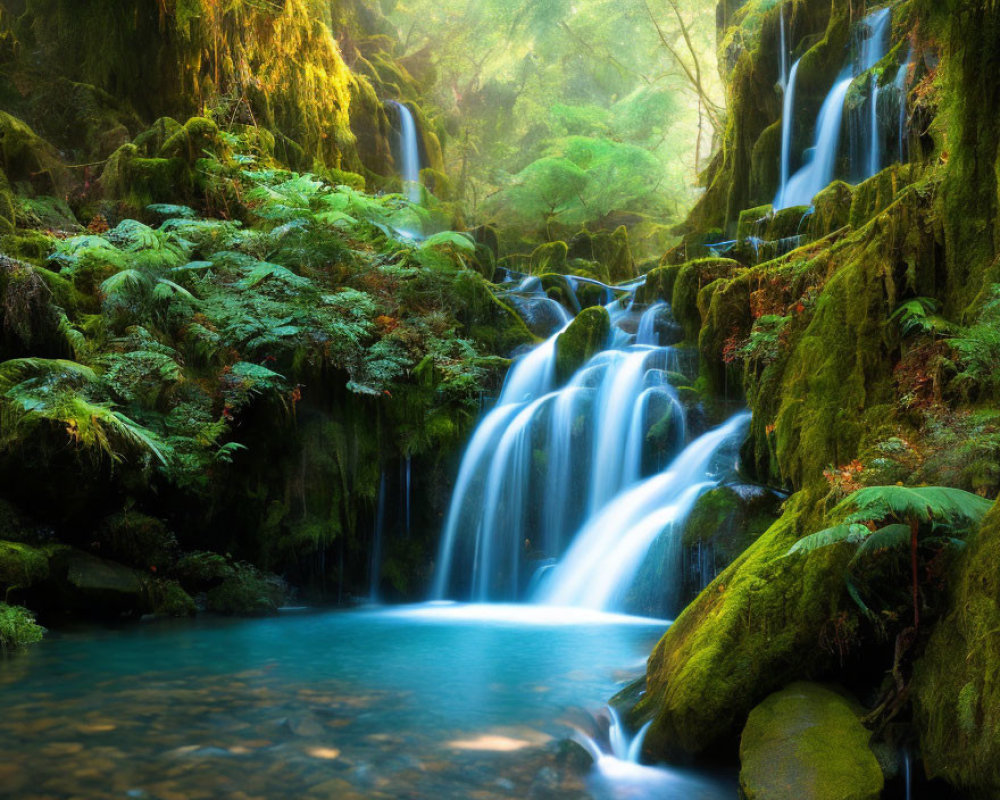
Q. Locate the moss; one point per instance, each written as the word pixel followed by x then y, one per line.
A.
pixel 730 519
pixel 659 284
pixel 190 142
pixel 28 159
pixel 750 632
pixel 170 600
pixel 878 192
pixel 690 280
pixel 611 250
pixel 832 210
pixel 550 257
pixel 245 593
pixel 18 628
pixel 137 181
pixel 753 222
pixel 21 566
pixel 150 142
pixel 586 335
pixel 724 308
pixel 202 570
pixel 807 741
pixel 956 686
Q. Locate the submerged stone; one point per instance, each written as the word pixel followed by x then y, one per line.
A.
pixel 806 741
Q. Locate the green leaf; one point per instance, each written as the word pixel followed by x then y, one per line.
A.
pixel 851 534
pixel 891 537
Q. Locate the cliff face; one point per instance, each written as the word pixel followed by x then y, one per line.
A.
pixel 859 331
pixel 107 67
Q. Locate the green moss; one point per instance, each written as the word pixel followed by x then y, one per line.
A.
pixel 137 181
pixel 753 222
pixel 550 257
pixel 245 593
pixel 832 210
pixel 956 686
pixel 18 628
pixel 878 192
pixel 691 278
pixel 750 632
pixel 26 158
pixel 21 566
pixel 659 284
pixel 191 141
pixel 807 741
pixel 586 335
pixel 138 540
pixel 730 521
pixel 170 600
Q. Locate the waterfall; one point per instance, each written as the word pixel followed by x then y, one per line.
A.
pixel 817 173
pixel 820 162
pixel 548 458
pixel 409 152
pixel 605 555
pixel 873 49
pixel 787 119
pixel 900 85
pixel 376 564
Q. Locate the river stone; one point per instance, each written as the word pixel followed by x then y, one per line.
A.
pixel 91 574
pixel 807 741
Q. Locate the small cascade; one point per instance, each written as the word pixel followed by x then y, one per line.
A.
pixel 620 745
pixel 409 152
pixel 598 569
pixel 818 170
pixel 377 544
pixel 787 122
pixel 867 131
pixel 549 458
pixel 540 313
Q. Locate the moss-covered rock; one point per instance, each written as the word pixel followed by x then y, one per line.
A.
pixel 956 685
pixel 21 566
pixel 170 600
pixel 246 592
pixel 549 257
pixel 585 336
pixel 691 278
pixel 17 628
pixel 807 741
pixel 751 631
pixel 138 540
pixel 831 210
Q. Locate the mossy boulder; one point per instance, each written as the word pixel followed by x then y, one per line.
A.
pixel 83 585
pixel 691 278
pixel 190 142
pixel 170 600
pixel 956 685
pixel 549 257
pixel 28 160
pixel 586 335
pixel 724 522
pixel 246 592
pixel 659 284
pixel 752 631
pixel 21 566
pixel 831 210
pixel 807 741
pixel 17 628
pixel 136 181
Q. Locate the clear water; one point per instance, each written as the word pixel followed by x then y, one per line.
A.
pixel 424 702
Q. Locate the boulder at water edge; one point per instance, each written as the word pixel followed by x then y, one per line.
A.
pixel 807 741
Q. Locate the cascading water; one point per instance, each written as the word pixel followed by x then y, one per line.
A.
pixel 376 562
pixel 409 152
pixel 816 174
pixel 866 152
pixel 550 461
pixel 604 557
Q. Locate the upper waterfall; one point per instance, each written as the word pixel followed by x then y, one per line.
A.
pixel 868 126
pixel 409 152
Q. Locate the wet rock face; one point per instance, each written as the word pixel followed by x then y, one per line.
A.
pixel 807 741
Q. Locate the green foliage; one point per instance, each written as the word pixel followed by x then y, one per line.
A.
pixel 978 348
pixel 18 628
pixel 919 316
